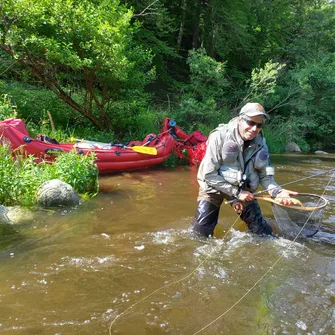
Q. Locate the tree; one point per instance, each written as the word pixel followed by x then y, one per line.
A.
pixel 85 45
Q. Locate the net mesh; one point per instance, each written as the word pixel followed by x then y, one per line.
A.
pixel 307 214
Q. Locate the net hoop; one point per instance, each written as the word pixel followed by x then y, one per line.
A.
pixel 321 202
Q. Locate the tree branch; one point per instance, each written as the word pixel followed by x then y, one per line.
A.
pixel 143 13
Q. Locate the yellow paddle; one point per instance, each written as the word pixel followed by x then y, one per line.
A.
pixel 144 150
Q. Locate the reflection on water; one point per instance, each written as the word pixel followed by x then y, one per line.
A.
pixel 76 271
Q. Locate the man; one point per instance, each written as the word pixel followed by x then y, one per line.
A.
pixel 235 163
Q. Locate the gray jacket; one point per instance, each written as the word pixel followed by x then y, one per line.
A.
pixel 227 162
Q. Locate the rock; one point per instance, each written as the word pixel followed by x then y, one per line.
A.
pixel 19 215
pixel 320 152
pixel 55 193
pixel 292 147
pixel 4 215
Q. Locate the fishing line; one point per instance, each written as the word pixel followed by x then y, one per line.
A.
pixel 203 262
pixel 295 181
pixel 267 272
pixel 168 285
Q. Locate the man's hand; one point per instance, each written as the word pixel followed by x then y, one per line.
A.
pixel 246 196
pixel 284 197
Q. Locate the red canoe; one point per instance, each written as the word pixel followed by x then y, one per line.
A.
pixel 191 147
pixel 110 158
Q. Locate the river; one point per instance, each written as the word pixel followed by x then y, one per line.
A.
pixel 125 262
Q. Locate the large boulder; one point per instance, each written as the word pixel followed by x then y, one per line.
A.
pixel 56 193
pixel 320 152
pixel 292 147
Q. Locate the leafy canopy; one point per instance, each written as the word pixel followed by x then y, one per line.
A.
pixel 85 44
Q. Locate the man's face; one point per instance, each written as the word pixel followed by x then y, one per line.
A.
pixel 249 126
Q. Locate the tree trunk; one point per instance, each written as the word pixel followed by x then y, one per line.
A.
pixel 196 25
pixel 49 80
pixel 211 32
pixel 182 23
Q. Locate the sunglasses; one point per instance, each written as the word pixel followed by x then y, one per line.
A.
pixel 251 123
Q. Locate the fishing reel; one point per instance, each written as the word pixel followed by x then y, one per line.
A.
pixel 237 206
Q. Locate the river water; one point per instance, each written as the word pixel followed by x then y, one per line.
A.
pixel 125 262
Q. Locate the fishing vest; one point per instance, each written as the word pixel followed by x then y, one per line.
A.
pixel 239 166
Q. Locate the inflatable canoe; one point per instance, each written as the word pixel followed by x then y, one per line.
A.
pixel 154 149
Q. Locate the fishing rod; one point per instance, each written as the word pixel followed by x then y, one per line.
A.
pixel 295 181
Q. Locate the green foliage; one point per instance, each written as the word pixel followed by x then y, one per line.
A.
pixel 275 140
pixel 172 161
pixel 146 122
pixel 202 99
pixel 20 178
pixel 315 103
pixel 132 119
pixel 7 108
pixel 34 101
pixel 263 81
pixel 210 58
pixel 77 170
pixel 191 112
pixel 228 32
pixel 81 50
pixel 206 74
pixel 304 102
pixel 157 28
pixel 313 29
pixel 279 133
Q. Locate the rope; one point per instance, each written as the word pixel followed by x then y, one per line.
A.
pixel 266 273
pixel 168 285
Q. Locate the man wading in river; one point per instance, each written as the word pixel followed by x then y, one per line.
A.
pixel 235 163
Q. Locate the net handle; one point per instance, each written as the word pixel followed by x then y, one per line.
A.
pixel 297 203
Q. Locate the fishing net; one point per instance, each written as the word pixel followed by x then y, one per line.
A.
pixel 306 212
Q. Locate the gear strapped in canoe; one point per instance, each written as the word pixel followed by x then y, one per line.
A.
pixel 93 144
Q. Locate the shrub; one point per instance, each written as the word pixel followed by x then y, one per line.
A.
pixel 21 177
pixel 7 107
pixel 34 101
pixel 77 170
pixel 281 131
pixel 202 99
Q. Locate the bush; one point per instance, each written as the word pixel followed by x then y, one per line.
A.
pixel 202 100
pixel 7 108
pixel 21 177
pixel 282 131
pixel 315 103
pixel 34 101
pixel 77 170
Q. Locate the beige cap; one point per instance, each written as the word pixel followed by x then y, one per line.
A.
pixel 254 109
